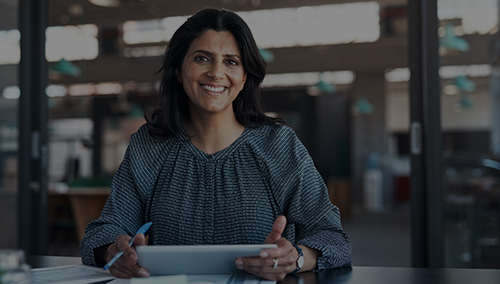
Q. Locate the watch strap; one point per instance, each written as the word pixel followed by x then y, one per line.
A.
pixel 299 250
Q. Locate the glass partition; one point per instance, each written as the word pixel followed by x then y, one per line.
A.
pixel 470 100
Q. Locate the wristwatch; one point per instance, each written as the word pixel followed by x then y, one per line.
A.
pixel 300 260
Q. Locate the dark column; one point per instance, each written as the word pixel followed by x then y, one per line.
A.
pixel 495 110
pixel 425 134
pixel 33 156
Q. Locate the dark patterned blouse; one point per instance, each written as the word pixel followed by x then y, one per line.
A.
pixel 230 197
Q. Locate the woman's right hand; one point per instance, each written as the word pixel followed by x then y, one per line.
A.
pixel 126 266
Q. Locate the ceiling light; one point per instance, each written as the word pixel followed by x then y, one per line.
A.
pixel 11 92
pixel 114 3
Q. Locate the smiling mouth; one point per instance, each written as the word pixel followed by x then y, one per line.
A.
pixel 213 89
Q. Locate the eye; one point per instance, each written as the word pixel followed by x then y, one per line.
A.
pixel 232 62
pixel 201 58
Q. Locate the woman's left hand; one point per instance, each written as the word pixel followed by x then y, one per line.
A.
pixel 272 264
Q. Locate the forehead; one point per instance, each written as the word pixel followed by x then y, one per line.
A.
pixel 215 42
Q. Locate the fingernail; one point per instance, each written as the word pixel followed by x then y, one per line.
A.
pixel 133 257
pixel 143 273
pixel 264 254
pixel 239 263
pixel 239 267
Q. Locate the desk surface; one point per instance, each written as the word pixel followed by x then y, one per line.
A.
pixel 349 275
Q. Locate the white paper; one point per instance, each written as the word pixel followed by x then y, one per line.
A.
pixel 75 274
pixel 199 279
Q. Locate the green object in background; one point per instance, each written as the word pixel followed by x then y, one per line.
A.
pixel 65 68
pixel 101 181
pixel 2 272
pixel 363 106
pixel 267 55
pixel 464 84
pixel 450 41
pixel 326 88
pixel 466 102
pixel 136 111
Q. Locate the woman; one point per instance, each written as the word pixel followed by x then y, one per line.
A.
pixel 209 167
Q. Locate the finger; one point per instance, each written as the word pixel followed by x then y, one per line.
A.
pixel 278 228
pixel 269 272
pixel 126 266
pixel 284 248
pixel 120 269
pixel 267 268
pixel 245 262
pixel 140 240
pixel 267 265
pixel 122 244
pixel 118 273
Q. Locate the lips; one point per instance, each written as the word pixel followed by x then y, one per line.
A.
pixel 213 89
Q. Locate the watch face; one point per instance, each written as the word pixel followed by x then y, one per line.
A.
pixel 300 261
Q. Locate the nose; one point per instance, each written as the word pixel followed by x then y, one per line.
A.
pixel 216 71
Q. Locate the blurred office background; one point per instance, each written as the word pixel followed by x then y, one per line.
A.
pixel 338 73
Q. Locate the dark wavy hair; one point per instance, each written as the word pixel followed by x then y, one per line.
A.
pixel 169 117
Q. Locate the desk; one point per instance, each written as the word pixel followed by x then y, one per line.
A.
pixel 350 275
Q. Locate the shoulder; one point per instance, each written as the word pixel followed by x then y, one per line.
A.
pixel 276 142
pixel 276 136
pixel 142 141
pixel 141 136
pixel 275 133
pixel 147 154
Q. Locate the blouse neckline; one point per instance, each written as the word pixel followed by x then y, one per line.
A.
pixel 222 154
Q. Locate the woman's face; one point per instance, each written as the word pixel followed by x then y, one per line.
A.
pixel 212 73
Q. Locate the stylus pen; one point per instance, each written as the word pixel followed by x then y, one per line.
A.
pixel 141 230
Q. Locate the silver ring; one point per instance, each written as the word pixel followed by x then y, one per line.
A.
pixel 275 263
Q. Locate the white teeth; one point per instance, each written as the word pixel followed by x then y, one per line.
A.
pixel 213 89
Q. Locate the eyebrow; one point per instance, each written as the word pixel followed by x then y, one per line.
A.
pixel 211 54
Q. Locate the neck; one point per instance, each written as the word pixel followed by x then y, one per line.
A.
pixel 212 134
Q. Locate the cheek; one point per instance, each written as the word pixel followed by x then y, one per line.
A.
pixel 240 80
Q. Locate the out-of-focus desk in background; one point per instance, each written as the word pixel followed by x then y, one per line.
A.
pixel 86 205
pixel 349 275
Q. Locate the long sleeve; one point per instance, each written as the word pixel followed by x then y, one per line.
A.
pixel 125 210
pixel 122 214
pixel 303 197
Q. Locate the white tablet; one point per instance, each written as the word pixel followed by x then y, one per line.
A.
pixel 202 259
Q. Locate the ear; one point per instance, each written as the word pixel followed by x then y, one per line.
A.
pixel 178 76
pixel 244 81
